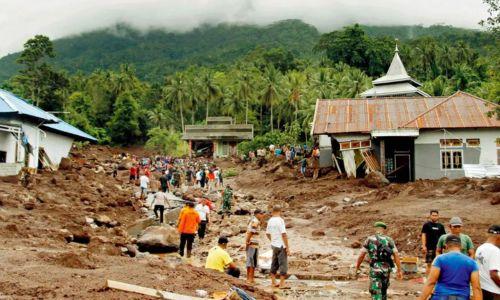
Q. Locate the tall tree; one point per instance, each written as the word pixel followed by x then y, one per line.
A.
pixel 176 94
pixel 271 90
pixel 124 125
pixel 296 81
pixel 209 88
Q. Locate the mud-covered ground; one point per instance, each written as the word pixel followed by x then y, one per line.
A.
pixel 48 250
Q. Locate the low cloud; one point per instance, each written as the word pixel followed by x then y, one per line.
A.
pixel 22 19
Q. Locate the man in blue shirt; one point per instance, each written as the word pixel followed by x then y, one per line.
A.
pixel 452 274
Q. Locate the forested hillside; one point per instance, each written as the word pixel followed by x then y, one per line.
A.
pixel 158 52
pixel 127 87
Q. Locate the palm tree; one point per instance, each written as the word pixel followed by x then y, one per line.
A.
pixel 176 93
pixel 160 117
pixel 209 88
pixel 271 90
pixel 192 96
pixel 244 90
pixel 295 82
pixel 354 83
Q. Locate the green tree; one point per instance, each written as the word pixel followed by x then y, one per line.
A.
pixel 271 90
pixel 124 125
pixel 210 89
pixel 176 94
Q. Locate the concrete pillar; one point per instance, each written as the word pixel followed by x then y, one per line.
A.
pixel 382 156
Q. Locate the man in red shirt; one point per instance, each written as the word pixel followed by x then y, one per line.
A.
pixel 133 173
pixel 188 226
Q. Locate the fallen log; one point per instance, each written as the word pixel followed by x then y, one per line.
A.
pixel 122 286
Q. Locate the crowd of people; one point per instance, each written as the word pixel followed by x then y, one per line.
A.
pixel 453 265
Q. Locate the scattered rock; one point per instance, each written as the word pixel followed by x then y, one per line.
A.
pixel 89 220
pixel 375 180
pixel 81 237
pixel 103 220
pixel 132 250
pixel 159 239
pixel 495 200
pixel 323 209
pixel 347 199
pixel 356 245
pixel 29 205
pixel 65 164
pixel 359 203
pixel 318 232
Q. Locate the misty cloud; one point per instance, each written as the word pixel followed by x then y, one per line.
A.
pixel 22 19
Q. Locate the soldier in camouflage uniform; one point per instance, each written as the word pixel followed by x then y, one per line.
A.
pixel 227 197
pixel 380 265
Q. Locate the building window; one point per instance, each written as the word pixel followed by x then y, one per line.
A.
pixel 355 145
pixel 451 159
pixel 473 143
pixel 451 142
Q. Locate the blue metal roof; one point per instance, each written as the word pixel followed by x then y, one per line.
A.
pixel 68 129
pixel 11 104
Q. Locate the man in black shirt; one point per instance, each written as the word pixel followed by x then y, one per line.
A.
pixel 431 231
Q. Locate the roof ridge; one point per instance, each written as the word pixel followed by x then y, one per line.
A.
pixel 443 102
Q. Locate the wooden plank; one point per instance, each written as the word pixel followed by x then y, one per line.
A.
pixel 337 164
pixel 147 291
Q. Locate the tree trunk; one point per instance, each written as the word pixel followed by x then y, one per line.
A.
pixel 206 113
pixel 296 111
pixel 182 114
pixel 246 112
pixel 272 128
pixel 261 119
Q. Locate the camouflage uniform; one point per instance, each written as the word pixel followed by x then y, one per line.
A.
pixel 226 200
pixel 379 271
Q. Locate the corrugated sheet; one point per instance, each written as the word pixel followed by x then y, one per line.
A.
pixel 460 110
pixel 66 128
pixel 481 171
pixel 9 103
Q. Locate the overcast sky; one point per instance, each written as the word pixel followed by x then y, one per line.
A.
pixel 22 19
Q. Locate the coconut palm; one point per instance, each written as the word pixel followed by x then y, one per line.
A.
pixel 175 91
pixel 271 90
pixel 209 88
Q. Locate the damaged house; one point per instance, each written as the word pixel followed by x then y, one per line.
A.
pixel 406 134
pixel 32 137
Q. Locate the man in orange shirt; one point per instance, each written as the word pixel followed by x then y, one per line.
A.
pixel 188 226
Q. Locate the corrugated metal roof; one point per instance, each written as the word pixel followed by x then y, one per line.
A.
pixel 401 88
pixel 68 129
pixel 460 110
pixel 11 104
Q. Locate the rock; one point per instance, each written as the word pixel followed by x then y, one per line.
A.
pixel 356 245
pixel 493 187
pixel 81 237
pixel 495 200
pixel 89 220
pixel 102 220
pixel 29 205
pixel 346 199
pixel 65 164
pixel 243 209
pixel 375 180
pixel 359 203
pixel 323 209
pixel 159 239
pixel 318 232
pixel 68 237
pixel 132 250
pixel 201 293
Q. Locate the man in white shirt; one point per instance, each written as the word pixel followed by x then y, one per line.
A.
pixel 204 211
pixel 159 203
pixel 144 180
pixel 488 260
pixel 276 233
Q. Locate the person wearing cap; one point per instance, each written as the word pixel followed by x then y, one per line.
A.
pixel 452 274
pixel 218 259
pixel 252 243
pixel 488 260
pixel 187 227
pixel 431 232
pixel 381 250
pixel 456 229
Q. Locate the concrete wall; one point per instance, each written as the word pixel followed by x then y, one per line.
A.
pixel 428 151
pixel 56 146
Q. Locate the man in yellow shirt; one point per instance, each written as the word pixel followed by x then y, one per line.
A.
pixel 218 259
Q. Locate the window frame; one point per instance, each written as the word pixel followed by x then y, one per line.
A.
pixel 451 150
pixel 467 141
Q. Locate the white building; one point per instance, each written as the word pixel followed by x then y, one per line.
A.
pixel 32 137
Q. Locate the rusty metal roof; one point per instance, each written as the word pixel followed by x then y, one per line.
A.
pixel 461 110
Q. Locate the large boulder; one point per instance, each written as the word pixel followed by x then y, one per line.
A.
pixel 65 164
pixel 375 180
pixel 159 239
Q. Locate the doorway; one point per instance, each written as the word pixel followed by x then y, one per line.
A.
pixel 402 164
